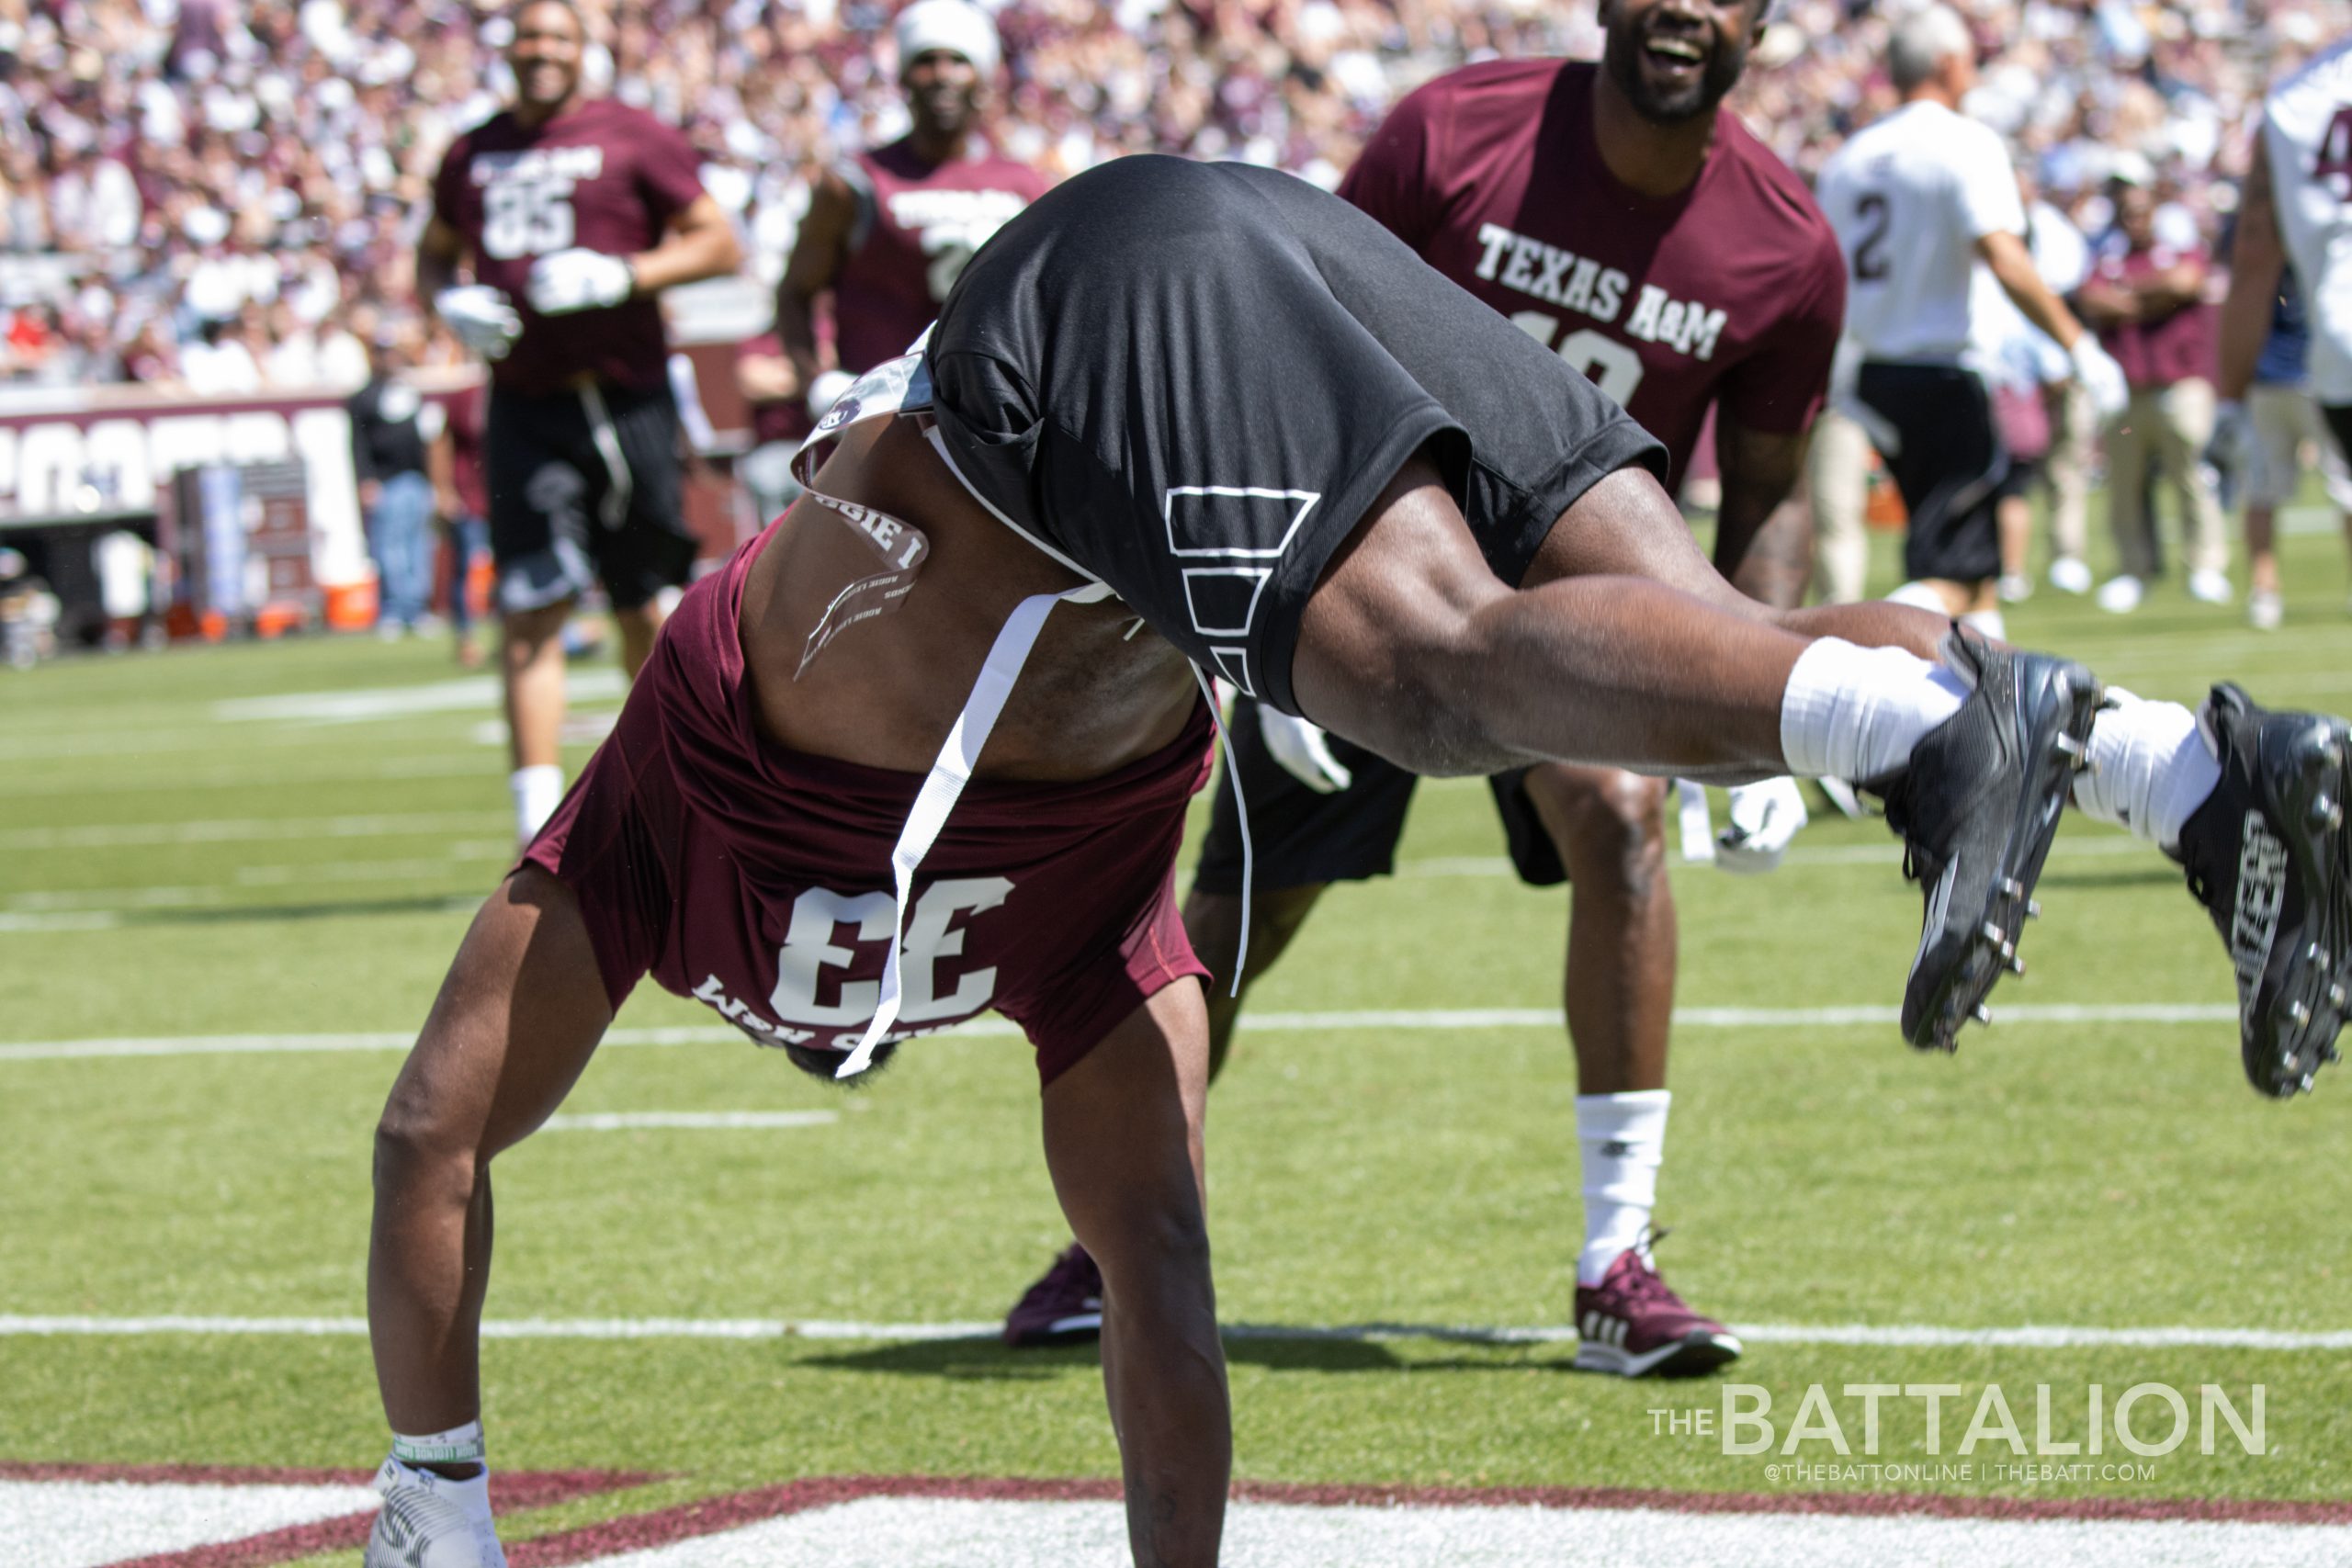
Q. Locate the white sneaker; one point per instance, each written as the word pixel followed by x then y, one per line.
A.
pixel 2264 611
pixel 2211 587
pixel 2015 588
pixel 2121 595
pixel 2070 574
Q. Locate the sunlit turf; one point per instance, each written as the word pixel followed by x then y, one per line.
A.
pixel 168 871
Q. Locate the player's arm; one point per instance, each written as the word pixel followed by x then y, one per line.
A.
pixel 1123 1142
pixel 2012 267
pixel 2161 293
pixel 700 242
pixel 1763 540
pixel 515 1022
pixel 2257 262
pixel 440 250
pixel 818 255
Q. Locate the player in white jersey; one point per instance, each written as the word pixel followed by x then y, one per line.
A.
pixel 1918 199
pixel 2296 209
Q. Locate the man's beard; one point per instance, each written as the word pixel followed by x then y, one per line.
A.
pixel 1671 105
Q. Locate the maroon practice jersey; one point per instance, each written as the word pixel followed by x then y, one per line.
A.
pixel 918 223
pixel 602 175
pixel 757 880
pixel 1732 290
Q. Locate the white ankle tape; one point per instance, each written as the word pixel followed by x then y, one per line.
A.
pixel 459 1445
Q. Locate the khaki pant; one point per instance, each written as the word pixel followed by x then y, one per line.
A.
pixel 1837 475
pixel 2073 439
pixel 2171 424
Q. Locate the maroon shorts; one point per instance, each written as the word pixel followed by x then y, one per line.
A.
pixel 757 881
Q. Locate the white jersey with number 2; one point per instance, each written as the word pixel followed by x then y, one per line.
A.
pixel 2307 134
pixel 1909 195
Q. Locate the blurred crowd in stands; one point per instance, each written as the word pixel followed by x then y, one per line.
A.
pixel 222 195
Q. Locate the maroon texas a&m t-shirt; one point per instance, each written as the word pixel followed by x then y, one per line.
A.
pixel 917 224
pixel 1732 290
pixel 600 176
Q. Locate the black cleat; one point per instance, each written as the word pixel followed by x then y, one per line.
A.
pixel 1978 808
pixel 2268 857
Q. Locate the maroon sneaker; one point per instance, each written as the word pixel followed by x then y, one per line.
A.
pixel 1633 1325
pixel 1063 1308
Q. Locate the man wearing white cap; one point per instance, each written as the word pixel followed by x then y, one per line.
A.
pixel 888 231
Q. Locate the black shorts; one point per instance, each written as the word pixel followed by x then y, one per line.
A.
pixel 1299 838
pixel 1192 380
pixel 586 485
pixel 1947 461
pixel 2339 424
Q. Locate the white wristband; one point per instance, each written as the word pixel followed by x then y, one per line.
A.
pixel 459 1445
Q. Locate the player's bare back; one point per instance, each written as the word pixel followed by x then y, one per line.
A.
pixel 1096 694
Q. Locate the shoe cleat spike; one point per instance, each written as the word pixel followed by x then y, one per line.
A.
pixel 2324 813
pixel 2033 909
pixel 2008 952
pixel 1995 935
pixel 2329 1053
pixel 2336 998
pixel 1984 1014
pixel 2072 747
pixel 2307 1083
pixel 2012 888
pixel 2016 966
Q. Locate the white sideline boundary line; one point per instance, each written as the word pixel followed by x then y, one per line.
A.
pixel 1440 1020
pixel 2031 1337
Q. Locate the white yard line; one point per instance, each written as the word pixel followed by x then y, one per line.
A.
pixel 1438 1019
pixel 2031 1337
pixel 692 1121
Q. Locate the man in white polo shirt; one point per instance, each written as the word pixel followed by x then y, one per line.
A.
pixel 1919 199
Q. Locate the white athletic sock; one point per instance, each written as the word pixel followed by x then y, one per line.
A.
pixel 1988 623
pixel 1622 1137
pixel 538 790
pixel 1855 713
pixel 2150 768
pixel 1919 596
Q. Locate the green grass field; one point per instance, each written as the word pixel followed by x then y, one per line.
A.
pixel 170 868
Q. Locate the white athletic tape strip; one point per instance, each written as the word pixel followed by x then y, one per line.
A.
pixel 1892 1335
pixel 1437 1019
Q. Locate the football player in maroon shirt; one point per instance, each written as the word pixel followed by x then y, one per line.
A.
pixel 571 214
pixel 1618 216
pixel 923 749
pixel 888 231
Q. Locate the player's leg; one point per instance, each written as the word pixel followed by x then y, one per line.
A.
pixel 2280 420
pixel 1607 830
pixel 2182 436
pixel 2075 433
pixel 516 1020
pixel 2129 444
pixel 1300 840
pixel 541 542
pixel 1213 921
pixel 1838 489
pixel 1405 645
pixel 1124 1143
pixel 650 555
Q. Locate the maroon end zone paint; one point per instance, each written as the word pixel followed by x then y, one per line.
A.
pixel 509 1490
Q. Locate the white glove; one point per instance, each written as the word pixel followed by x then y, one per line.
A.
pixel 2101 376
pixel 1764 818
pixel 431 1522
pixel 579 279
pixel 482 317
pixel 1304 752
